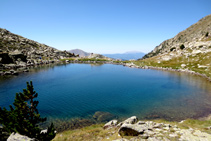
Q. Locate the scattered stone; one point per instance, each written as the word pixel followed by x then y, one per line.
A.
pixel 110 124
pixel 202 66
pixel 183 65
pixel 144 136
pixel 149 132
pixel 166 58
pixel 182 121
pixel 173 135
pixel 141 122
pixel 196 51
pixel 121 139
pixel 209 128
pixel 7 73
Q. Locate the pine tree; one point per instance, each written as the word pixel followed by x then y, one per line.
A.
pixel 24 117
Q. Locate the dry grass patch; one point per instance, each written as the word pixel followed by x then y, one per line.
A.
pixel 91 133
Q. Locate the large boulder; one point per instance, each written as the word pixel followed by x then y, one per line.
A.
pixel 15 55
pixel 140 127
pixel 131 129
pixel 130 120
pixel 18 137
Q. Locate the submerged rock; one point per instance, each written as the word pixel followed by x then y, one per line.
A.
pixel 103 116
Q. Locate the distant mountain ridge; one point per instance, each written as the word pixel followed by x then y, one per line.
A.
pixel 126 56
pixel 80 52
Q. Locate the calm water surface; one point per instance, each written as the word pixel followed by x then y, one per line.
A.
pixel 79 90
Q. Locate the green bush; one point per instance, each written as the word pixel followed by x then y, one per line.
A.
pixel 182 47
pixel 207 34
pixel 172 48
pixel 24 117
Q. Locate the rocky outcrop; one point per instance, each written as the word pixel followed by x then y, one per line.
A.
pixel 110 124
pixel 149 130
pixel 18 137
pixel 197 38
pixel 130 120
pixel 17 51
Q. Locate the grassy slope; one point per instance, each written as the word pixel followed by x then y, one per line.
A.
pixel 176 62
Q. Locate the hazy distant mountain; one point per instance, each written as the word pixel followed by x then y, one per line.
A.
pixel 81 53
pixel 126 56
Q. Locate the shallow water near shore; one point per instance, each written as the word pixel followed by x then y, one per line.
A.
pixel 79 90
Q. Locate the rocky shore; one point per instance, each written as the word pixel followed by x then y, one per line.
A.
pixel 132 65
pixel 153 131
pixel 133 129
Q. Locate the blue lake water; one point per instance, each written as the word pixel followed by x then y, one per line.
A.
pixel 79 90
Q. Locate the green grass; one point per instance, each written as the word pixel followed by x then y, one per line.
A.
pixel 85 59
pixel 89 133
pixel 197 124
pixel 92 59
pixel 70 59
pixel 176 62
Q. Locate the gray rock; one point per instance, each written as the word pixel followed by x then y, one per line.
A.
pixel 44 131
pixel 145 136
pixel 130 120
pixel 110 124
pixel 18 137
pixel 7 73
pixel 183 65
pixel 121 139
pixel 149 132
pixel 131 129
pixel 209 128
pixel 173 135
pixel 141 122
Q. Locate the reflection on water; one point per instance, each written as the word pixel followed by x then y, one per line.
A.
pixel 79 90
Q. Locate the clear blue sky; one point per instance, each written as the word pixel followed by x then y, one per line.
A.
pixel 101 26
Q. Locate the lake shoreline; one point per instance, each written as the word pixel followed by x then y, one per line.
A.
pixel 131 65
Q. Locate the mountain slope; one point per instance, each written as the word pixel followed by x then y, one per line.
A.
pixel 17 51
pixel 189 51
pixel 126 56
pixel 193 37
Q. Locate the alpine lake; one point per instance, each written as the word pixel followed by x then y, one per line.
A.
pixel 81 90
